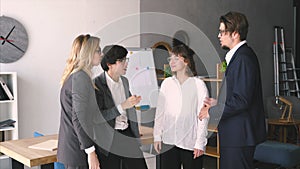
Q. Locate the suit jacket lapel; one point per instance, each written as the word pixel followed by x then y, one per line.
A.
pixel 105 86
pixel 126 87
pixel 223 84
pixel 234 57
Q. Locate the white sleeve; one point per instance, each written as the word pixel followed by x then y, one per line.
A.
pixel 202 125
pixel 120 109
pixel 159 115
pixel 89 150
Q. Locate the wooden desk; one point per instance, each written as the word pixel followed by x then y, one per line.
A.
pixel 282 128
pixel 19 151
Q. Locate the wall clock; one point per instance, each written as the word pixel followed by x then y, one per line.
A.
pixel 13 40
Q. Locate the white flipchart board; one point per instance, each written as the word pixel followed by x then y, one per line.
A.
pixel 142 76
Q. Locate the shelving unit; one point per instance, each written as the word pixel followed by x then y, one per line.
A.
pixel 215 81
pixel 9 109
pixel 214 151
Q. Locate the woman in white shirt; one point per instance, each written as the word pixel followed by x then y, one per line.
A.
pixel 179 136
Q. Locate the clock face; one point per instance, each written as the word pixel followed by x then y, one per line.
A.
pixel 13 40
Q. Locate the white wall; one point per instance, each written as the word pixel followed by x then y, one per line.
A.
pixel 52 25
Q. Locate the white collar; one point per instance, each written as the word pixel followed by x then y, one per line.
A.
pixel 111 81
pixel 230 54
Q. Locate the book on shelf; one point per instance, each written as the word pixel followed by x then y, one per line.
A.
pixel 5 93
pixel 7 123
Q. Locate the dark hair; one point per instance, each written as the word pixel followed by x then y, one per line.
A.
pixel 111 54
pixel 235 22
pixel 187 53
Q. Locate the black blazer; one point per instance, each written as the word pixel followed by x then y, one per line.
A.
pixel 109 109
pixel 240 110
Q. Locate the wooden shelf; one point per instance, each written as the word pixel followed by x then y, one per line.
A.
pixel 211 80
pixel 161 78
pixel 212 151
pixel 6 101
pixel 7 128
pixel 212 128
pixel 216 79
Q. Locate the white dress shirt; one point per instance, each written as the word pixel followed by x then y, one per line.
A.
pixel 176 119
pixel 230 53
pixel 118 94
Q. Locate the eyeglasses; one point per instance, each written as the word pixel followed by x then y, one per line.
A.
pixel 99 51
pixel 222 32
pixel 123 60
pixel 176 58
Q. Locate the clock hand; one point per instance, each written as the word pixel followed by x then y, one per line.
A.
pixel 5 40
pixel 8 34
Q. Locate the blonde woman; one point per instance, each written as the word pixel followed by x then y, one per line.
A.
pixel 76 150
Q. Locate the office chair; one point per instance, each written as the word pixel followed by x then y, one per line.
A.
pixel 57 165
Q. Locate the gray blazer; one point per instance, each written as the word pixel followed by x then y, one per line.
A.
pixel 109 109
pixel 81 123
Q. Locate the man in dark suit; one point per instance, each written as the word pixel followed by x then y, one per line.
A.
pixel 117 107
pixel 238 112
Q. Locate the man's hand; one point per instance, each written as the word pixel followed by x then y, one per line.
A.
pixel 93 161
pixel 208 102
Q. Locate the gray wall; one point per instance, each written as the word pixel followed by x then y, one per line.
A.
pixel 297 41
pixel 262 16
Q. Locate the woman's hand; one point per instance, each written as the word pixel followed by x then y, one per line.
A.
pixel 130 102
pixel 157 146
pixel 198 153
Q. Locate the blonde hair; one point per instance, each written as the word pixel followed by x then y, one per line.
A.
pixel 81 57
